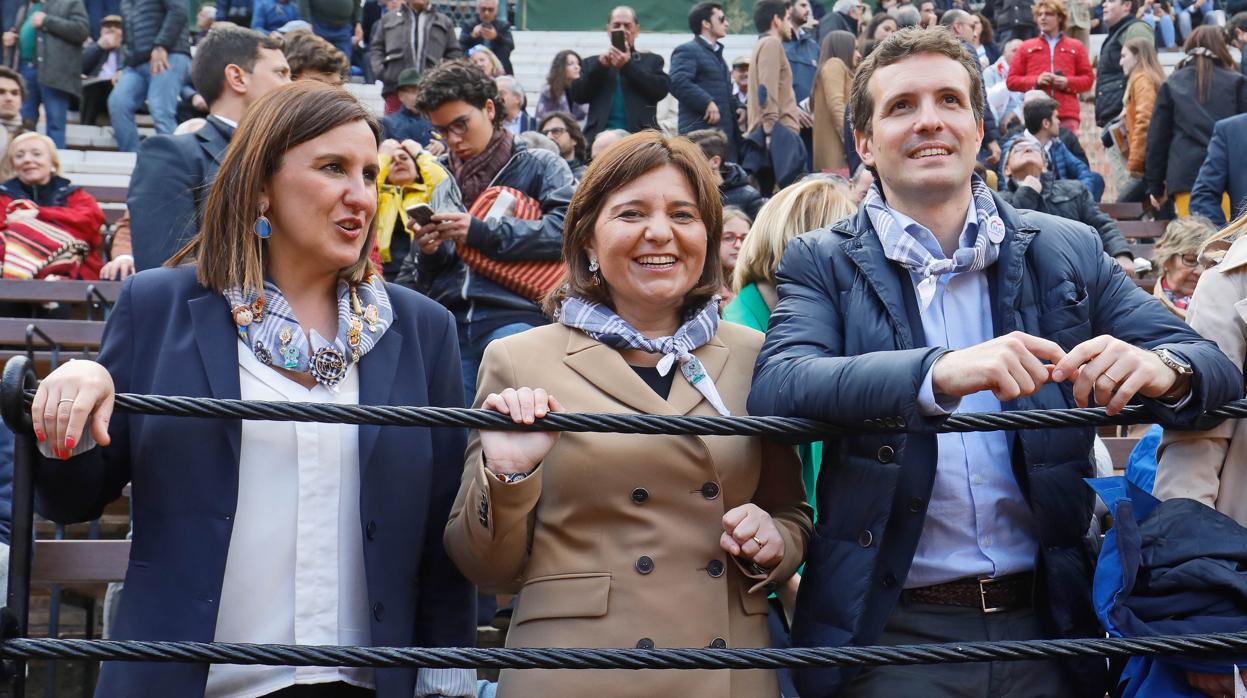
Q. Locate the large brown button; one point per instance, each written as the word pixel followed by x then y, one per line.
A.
pixel 865 538
pixel 718 643
pixel 645 644
pixel 886 453
pixel 644 564
pixel 640 495
pixel 714 568
pixel 710 490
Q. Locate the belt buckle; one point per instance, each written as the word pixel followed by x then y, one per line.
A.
pixel 983 585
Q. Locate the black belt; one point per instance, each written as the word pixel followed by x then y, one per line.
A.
pixel 991 595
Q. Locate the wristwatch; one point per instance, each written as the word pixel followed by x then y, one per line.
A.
pixel 509 478
pixel 1179 366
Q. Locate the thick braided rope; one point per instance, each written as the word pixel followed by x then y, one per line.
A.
pixel 384 415
pixel 674 658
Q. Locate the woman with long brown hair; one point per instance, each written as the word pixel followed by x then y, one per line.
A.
pixel 272 532
pixel 1144 76
pixel 1205 88
pixel 617 540
pixel 833 83
pixel 564 69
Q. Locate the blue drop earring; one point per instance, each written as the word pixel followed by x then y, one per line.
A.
pixel 262 227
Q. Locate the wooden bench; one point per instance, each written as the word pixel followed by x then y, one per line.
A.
pixel 40 291
pixel 1123 211
pixel 79 563
pixel 1142 230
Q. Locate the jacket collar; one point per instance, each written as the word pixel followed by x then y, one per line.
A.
pixel 214 138
pixel 605 368
pixel 1235 257
pixel 1004 277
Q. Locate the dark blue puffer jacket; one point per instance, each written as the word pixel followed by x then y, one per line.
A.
pixel 846 344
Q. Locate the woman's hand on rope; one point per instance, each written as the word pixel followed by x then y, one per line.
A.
pixel 519 451
pixel 73 394
pixel 750 533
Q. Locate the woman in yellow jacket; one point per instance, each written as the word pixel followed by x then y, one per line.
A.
pixel 409 176
pixel 832 86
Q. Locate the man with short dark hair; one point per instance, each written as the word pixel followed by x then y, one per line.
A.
pixel 622 86
pixel 773 102
pixel 930 14
pixel 1110 79
pixel 157 49
pixel 487 29
pixel 1042 121
pixel 12 93
pixel 938 297
pixel 233 68
pixel 700 78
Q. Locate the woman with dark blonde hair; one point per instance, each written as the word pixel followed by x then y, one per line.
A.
pixel 617 540
pixel 272 532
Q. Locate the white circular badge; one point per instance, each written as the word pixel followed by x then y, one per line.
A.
pixel 995 229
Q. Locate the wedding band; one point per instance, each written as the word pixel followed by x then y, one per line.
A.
pixel 1106 375
pixel 761 543
pixel 64 399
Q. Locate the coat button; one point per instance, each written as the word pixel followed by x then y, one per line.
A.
pixel 714 568
pixel 916 504
pixel 644 564
pixel 371 530
pixel 718 643
pixel 886 453
pixel 378 611
pixel 645 644
pixel 710 490
pixel 889 580
pixel 865 538
pixel 640 495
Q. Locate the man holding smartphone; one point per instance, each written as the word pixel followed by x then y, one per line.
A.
pixel 621 86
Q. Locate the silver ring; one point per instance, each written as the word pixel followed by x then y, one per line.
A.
pixel 65 399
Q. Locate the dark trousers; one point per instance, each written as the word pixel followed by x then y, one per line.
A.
pixel 926 623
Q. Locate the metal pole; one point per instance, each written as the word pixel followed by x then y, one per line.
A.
pixel 19 374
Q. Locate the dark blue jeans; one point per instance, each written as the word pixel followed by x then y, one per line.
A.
pixel 472 349
pixel 340 37
pixel 55 104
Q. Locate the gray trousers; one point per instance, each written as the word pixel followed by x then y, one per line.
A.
pixel 927 623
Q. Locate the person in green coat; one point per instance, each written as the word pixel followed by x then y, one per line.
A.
pixel 815 202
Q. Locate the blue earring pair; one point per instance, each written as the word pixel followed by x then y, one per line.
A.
pixel 263 228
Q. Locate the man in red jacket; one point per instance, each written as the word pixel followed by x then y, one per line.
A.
pixel 1053 62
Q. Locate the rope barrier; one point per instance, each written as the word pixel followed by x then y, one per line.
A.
pixel 383 415
pixel 673 658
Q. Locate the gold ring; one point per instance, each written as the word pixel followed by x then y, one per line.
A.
pixel 761 543
pixel 1106 375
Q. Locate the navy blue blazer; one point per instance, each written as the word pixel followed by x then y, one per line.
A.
pixel 168 335
pixel 1218 177
pixel 846 344
pixel 700 76
pixel 168 190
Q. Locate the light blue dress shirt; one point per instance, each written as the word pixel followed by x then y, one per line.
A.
pixel 978 524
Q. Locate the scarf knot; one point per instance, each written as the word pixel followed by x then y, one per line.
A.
pixel 604 325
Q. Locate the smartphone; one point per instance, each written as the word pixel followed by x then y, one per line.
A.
pixel 619 40
pixel 422 214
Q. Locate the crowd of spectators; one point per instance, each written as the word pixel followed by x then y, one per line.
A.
pixel 494 209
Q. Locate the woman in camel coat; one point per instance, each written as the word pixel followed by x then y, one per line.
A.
pixel 1211 466
pixel 618 540
pixel 832 86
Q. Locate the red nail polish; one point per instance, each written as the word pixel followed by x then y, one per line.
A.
pixel 69 443
pixel 40 435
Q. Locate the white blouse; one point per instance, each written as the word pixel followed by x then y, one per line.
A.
pixel 295 569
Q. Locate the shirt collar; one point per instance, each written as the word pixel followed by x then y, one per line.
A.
pixel 920 233
pixel 1053 41
pixel 714 45
pixel 228 122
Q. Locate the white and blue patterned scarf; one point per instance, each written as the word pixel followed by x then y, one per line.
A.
pixel 901 247
pixel 604 325
pixel 358 332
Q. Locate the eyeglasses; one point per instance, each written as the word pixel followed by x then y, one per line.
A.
pixel 734 239
pixel 458 128
pixel 1207 260
pixel 554 131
